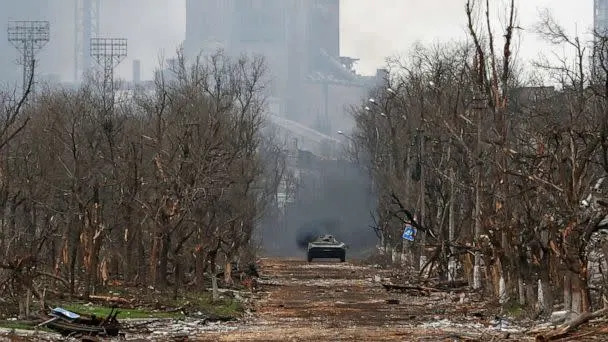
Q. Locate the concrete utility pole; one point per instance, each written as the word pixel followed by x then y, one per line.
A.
pixel 479 106
pixel 28 37
pixel 422 155
pixel 108 53
pixel 452 228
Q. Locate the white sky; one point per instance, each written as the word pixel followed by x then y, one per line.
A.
pixel 371 29
pixel 375 29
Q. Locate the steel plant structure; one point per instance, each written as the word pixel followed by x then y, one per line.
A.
pixel 86 18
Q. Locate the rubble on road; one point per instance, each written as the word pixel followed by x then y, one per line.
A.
pixel 569 326
pixel 414 290
pixel 328 301
pixel 446 324
pixel 30 335
pixel 171 329
pixel 334 266
pixel 331 301
pixel 135 330
pixel 69 323
pixel 558 317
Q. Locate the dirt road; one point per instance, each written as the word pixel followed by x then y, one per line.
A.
pixel 332 301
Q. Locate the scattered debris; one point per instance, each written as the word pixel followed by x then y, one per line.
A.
pixel 73 324
pixel 505 325
pixel 558 317
pixel 418 290
pixel 462 298
pixel 566 328
pixel 448 324
pixel 170 329
pixel 113 299
pixel 325 300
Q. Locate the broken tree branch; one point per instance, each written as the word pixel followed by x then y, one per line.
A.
pixel 570 326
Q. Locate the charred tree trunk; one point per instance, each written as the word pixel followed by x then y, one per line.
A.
pixel 583 286
pixel 177 278
pixel 130 252
pixel 200 266
pixel 213 272
pixel 97 233
pixel 154 257
pixel 73 246
pixel 545 297
pixel 531 293
pixel 142 264
pixel 164 259
pixel 521 291
pixel 568 291
pixel 92 279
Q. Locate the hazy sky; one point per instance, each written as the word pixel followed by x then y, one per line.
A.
pixel 375 29
pixel 371 29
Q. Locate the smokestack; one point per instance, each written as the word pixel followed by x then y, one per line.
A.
pixel 136 71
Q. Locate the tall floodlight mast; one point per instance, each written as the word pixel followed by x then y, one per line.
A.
pixel 28 37
pixel 86 17
pixel 108 53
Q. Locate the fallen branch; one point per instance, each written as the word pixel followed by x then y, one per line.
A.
pixel 229 291
pixel 453 284
pixel 111 299
pixel 52 276
pixel 139 325
pixel 570 326
pixel 178 309
pixel 406 288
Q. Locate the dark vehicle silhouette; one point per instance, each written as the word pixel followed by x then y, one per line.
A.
pixel 326 246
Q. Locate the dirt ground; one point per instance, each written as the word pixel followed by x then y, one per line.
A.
pixel 332 301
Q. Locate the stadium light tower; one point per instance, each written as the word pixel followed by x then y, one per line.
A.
pixel 28 37
pixel 108 53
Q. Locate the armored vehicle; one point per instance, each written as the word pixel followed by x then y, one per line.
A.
pixel 326 246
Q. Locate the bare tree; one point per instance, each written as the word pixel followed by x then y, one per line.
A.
pixel 174 181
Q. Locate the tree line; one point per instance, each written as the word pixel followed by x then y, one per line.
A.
pixel 152 188
pixel 500 168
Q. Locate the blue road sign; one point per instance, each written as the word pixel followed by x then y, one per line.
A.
pixel 409 233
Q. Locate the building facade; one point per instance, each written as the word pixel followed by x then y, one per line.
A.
pixel 300 40
pixel 600 16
